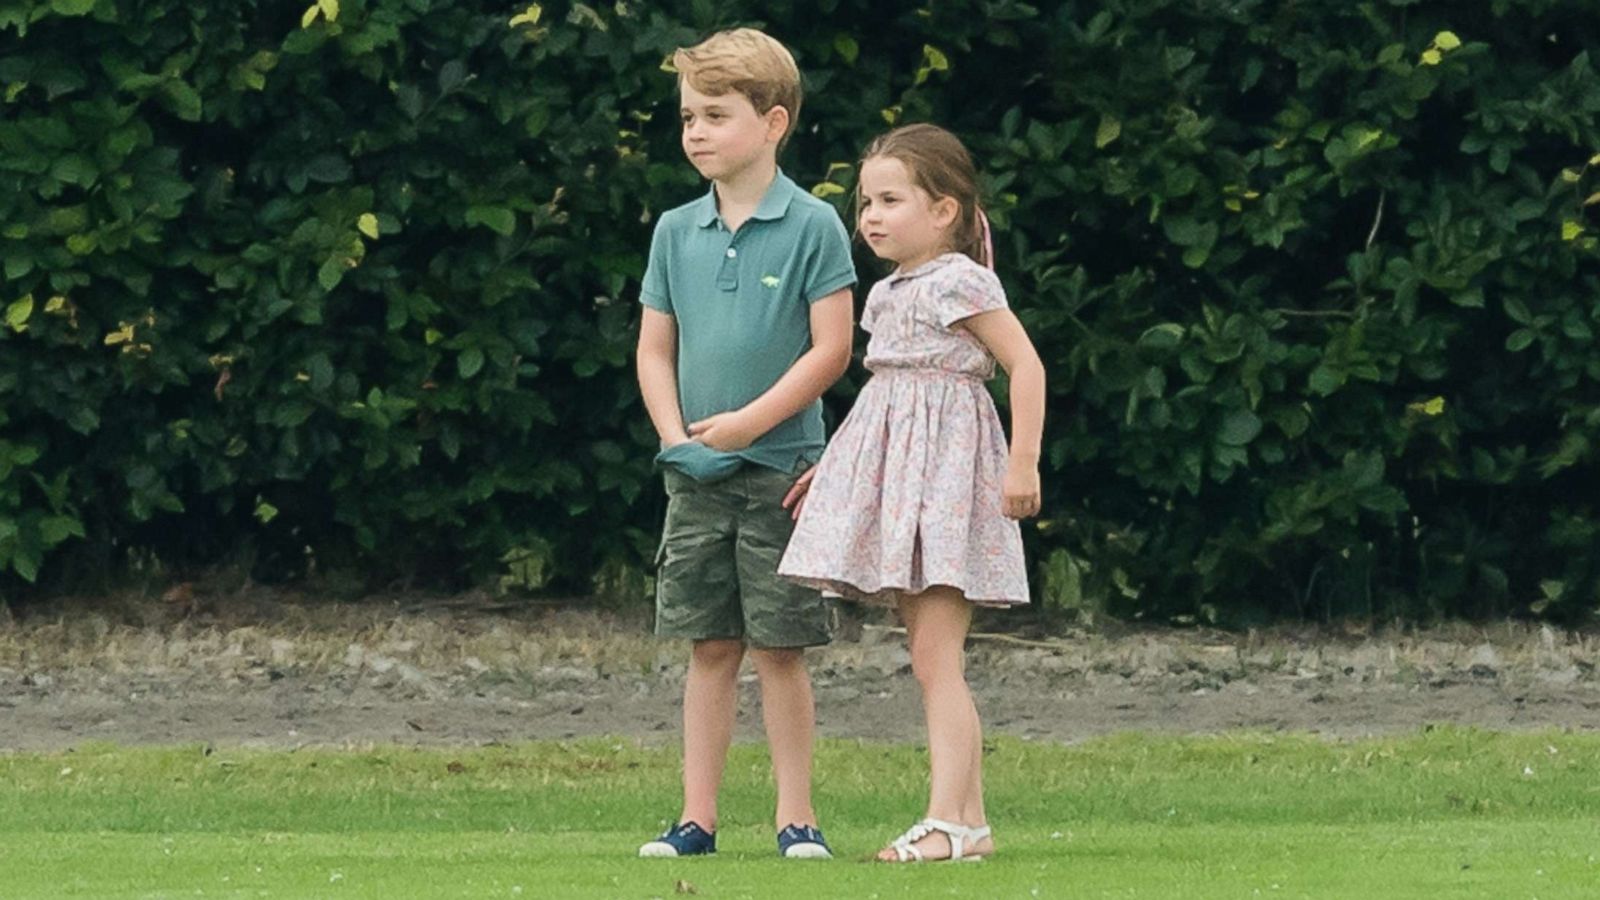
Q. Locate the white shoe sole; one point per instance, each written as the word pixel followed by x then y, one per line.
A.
pixel 657 849
pixel 807 851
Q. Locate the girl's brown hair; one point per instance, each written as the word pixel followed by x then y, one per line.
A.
pixel 939 164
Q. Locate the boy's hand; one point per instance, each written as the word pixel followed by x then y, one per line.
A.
pixel 1020 491
pixel 726 431
pixel 797 494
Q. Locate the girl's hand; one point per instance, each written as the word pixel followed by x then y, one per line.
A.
pixel 726 431
pixel 1020 492
pixel 797 494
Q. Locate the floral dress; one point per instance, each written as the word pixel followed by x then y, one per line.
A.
pixel 907 495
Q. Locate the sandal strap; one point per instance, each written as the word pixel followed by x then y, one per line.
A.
pixel 903 845
pixel 913 834
pixel 960 836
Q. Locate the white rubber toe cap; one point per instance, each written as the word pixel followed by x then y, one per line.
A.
pixel 657 848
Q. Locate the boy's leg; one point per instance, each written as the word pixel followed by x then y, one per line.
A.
pixel 710 700
pixel 697 597
pixel 780 619
pixel 789 712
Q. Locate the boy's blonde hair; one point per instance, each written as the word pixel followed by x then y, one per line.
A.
pixel 748 62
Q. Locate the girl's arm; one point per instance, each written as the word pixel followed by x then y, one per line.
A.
pixel 657 360
pixel 1000 331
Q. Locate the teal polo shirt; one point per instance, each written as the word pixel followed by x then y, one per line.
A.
pixel 742 301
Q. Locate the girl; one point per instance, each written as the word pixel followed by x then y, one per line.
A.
pixel 915 501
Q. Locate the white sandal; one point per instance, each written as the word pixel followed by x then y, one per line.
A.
pixel 961 837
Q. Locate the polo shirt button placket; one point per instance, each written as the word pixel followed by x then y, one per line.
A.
pixel 728 276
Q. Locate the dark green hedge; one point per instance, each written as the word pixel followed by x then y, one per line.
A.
pixel 1316 284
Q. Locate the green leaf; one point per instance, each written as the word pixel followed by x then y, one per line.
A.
pixel 1364 470
pixel 529 16
pixel 496 218
pixel 1178 58
pixel 321 370
pixel 1325 380
pixel 72 8
pixel 18 313
pixel 1239 427
pixel 452 75
pixel 330 9
pixel 83 420
pixel 1431 407
pixel 847 48
pixel 185 100
pixel 368 225
pixel 1162 337
pixel 329 169
pixel 265 512
pixel 409 99
pixel 1187 231
pixel 26 564
pixel 1109 130
pixel 331 273
pixel 1520 340
pixel 450 441
pixel 469 362
pixel 142 477
pixel 55 529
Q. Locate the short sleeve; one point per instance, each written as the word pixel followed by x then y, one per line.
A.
pixel 828 265
pixel 966 291
pixel 870 309
pixel 654 291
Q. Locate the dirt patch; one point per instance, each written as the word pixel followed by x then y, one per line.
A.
pixel 278 671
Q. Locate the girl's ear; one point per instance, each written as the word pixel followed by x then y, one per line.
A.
pixel 945 210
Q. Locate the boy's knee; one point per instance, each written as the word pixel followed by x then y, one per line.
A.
pixel 718 654
pixel 778 660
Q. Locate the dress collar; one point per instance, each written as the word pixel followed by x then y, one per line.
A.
pixel 932 265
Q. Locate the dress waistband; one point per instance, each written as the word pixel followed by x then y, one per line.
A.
pixel 926 373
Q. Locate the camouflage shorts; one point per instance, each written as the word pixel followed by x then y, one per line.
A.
pixel 717 570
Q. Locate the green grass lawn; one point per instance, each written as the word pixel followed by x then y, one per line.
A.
pixel 1442 813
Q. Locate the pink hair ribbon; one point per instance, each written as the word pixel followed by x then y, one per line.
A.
pixel 988 239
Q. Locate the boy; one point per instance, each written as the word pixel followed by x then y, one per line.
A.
pixel 747 320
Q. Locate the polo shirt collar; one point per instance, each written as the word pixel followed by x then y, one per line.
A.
pixel 932 265
pixel 774 203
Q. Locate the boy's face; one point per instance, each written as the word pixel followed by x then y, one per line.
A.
pixel 723 135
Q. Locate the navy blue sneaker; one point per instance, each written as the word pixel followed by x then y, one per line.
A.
pixel 803 842
pixel 682 839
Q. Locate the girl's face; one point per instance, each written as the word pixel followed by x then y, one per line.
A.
pixel 900 220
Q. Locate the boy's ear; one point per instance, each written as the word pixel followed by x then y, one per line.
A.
pixel 777 123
